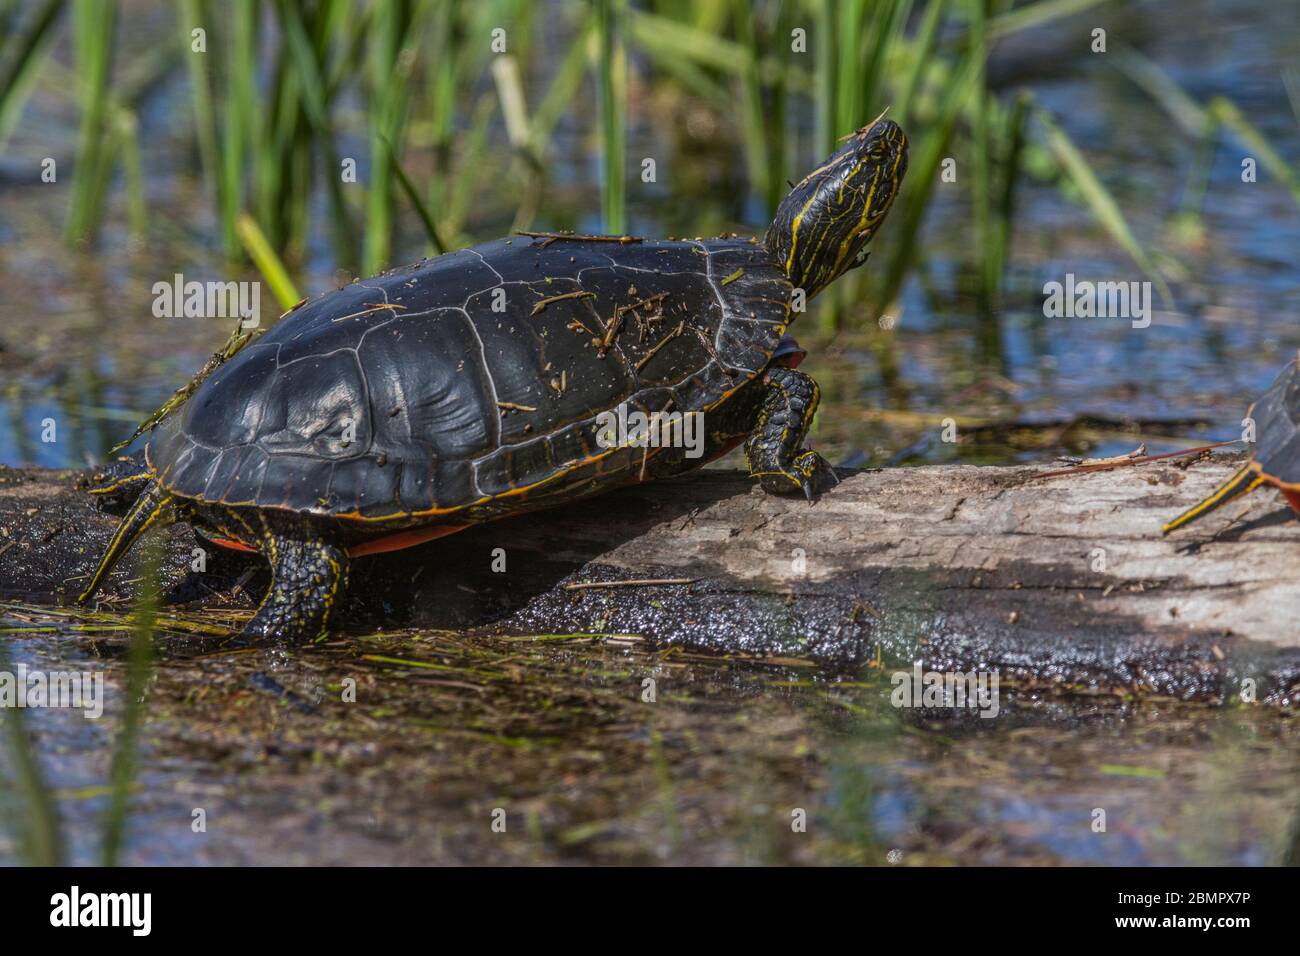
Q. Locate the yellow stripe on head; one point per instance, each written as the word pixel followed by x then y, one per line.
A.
pixel 822 226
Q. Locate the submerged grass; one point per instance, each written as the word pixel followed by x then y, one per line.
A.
pixel 36 815
pixel 139 663
pixel 737 760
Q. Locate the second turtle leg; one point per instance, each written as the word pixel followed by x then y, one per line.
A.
pixel 775 449
pixel 308 577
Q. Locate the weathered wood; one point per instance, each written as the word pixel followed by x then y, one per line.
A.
pixel 1094 536
pixel 1063 580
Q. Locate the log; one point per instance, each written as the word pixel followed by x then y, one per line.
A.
pixel 1052 582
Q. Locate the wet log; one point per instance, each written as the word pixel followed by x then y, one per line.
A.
pixel 1052 582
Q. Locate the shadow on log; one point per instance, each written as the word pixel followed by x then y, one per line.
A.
pixel 1060 581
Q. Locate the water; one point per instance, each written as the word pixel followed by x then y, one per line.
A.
pixel 716 769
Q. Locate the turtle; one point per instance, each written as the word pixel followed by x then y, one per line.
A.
pixel 1275 459
pixel 500 379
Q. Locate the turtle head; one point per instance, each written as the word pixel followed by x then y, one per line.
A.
pixel 822 227
pixel 117 484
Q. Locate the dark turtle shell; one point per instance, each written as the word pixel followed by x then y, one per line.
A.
pixel 474 377
pixel 1277 429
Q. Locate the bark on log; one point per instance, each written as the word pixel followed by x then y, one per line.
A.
pixel 1063 580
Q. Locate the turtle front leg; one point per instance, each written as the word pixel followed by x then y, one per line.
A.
pixel 309 574
pixel 775 449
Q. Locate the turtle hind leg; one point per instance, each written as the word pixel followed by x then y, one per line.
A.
pixel 775 449
pixel 309 574
pixel 1243 482
pixel 152 506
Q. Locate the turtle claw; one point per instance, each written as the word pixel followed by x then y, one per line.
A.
pixel 818 475
pixel 809 473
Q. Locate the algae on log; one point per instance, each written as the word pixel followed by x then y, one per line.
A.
pixel 1064 580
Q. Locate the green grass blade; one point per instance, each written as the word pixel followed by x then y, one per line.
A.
pixel 139 663
pixel 919 54
pixel 239 119
pixel 884 36
pixel 195 14
pixel 685 70
pixel 1013 141
pixel 1189 223
pixel 752 124
pixel 1291 81
pixel 1152 80
pixel 268 263
pixel 23 55
pixel 444 52
pixel 1230 116
pixel 389 81
pixel 564 86
pixel 126 137
pixel 413 197
pixel 305 61
pixel 1036 14
pixel 778 107
pixel 610 86
pixel 927 152
pixel 1203 122
pixel 823 51
pixel 1075 166
pixel 38 832
pixel 659 33
pixel 94 26
pixel 470 167
pixel 982 180
pixel 302 56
